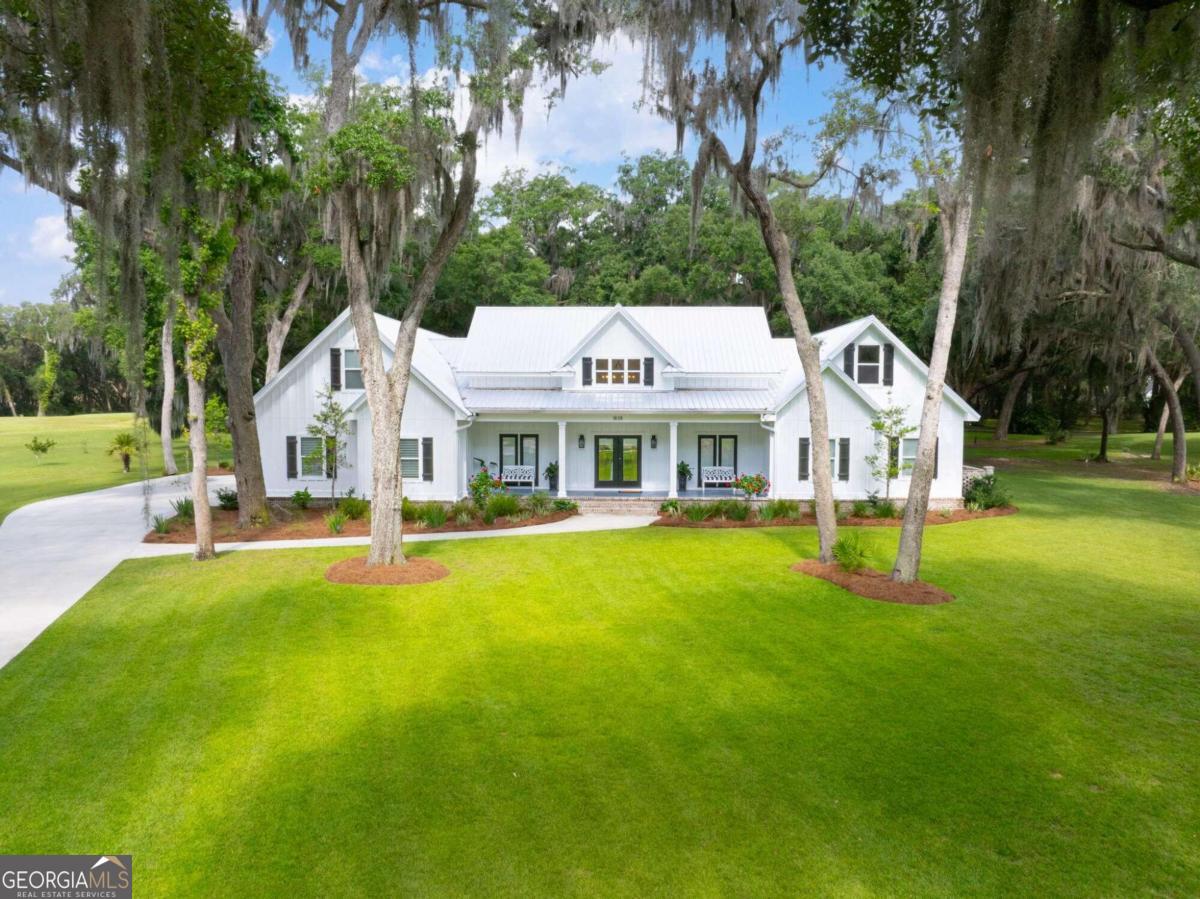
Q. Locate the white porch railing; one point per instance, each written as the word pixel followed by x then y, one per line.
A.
pixel 715 474
pixel 518 474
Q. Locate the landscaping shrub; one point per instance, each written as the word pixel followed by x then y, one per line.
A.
pixel 409 511
pixel 861 509
pixel 734 510
pixel 302 499
pixel 566 505
pixel 227 499
pixel 1193 472
pixel 160 524
pixel 354 507
pixel 39 447
pixel 460 508
pixel 483 486
pixel 336 521
pixel 851 551
pixel 985 493
pixel 780 509
pixel 433 515
pixel 538 504
pixel 698 511
pixel 1056 435
pixel 464 519
pixel 886 508
pixel 669 508
pixel 185 509
pixel 502 505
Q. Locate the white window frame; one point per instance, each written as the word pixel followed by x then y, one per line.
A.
pixel 415 458
pixel 305 475
pixel 347 368
pixel 907 463
pixel 606 370
pixel 833 458
pixel 877 365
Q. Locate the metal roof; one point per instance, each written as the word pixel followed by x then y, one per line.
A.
pixel 632 401
pixel 539 338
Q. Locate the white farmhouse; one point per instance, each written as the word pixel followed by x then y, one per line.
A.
pixel 615 398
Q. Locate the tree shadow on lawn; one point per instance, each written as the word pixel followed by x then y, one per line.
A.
pixel 890 779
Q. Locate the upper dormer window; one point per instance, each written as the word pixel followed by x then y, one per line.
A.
pixel 351 370
pixel 868 364
pixel 618 371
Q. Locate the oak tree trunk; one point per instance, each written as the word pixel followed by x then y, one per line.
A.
pixel 279 326
pixel 955 217
pixel 1188 345
pixel 1004 419
pixel 235 340
pixel 1178 430
pixel 1163 418
pixel 198 443
pixel 779 248
pixel 165 424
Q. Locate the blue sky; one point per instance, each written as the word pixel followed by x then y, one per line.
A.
pixel 587 131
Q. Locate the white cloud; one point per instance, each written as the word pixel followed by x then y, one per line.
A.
pixel 49 239
pixel 592 125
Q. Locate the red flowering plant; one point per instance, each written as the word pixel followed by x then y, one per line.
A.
pixel 483 485
pixel 752 484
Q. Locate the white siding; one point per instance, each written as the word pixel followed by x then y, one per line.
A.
pixel 850 417
pixel 617 340
pixel 288 408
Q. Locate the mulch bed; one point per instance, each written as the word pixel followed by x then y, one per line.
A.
pixel 417 570
pixel 303 524
pixel 932 518
pixel 875 585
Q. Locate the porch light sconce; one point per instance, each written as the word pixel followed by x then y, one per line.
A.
pixel 582 442
pixel 653 441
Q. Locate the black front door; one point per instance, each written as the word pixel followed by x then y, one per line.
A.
pixel 618 461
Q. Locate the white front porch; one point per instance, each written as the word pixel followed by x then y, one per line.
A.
pixel 620 456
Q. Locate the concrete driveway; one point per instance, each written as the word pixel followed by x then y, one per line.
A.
pixel 54 551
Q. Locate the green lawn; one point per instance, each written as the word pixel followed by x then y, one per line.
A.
pixel 79 460
pixel 651 712
pixel 1128 451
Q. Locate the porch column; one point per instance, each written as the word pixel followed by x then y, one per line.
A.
pixel 673 463
pixel 562 458
pixel 771 460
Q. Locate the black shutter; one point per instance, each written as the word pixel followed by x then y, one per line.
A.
pixel 937 445
pixel 804 458
pixel 893 453
pixel 843 458
pixel 330 457
pixel 426 458
pixel 291 457
pixel 587 370
pixel 889 364
pixel 335 369
pixel 848 359
pixel 648 371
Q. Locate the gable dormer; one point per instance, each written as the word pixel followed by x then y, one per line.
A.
pixel 870 361
pixel 618 354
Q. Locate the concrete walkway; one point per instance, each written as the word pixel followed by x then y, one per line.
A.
pixel 54 551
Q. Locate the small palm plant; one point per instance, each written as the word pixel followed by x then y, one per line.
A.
pixel 124 445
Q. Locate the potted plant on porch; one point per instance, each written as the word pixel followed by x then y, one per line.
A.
pixel 551 474
pixel 684 473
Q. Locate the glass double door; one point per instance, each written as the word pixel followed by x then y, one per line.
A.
pixel 618 461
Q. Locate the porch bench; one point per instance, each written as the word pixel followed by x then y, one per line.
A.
pixel 518 475
pixel 716 476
